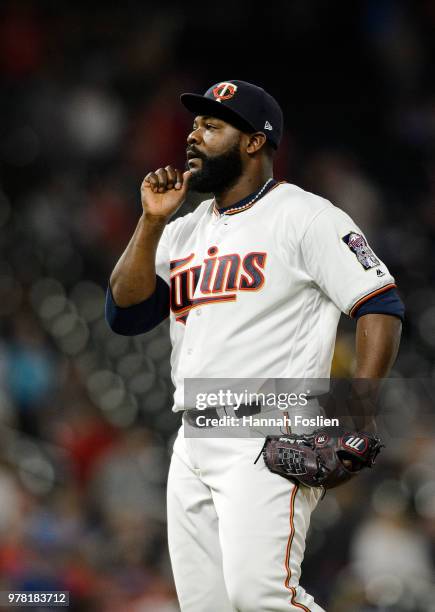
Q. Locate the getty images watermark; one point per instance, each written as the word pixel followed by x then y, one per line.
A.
pixel 239 407
pixel 255 402
pixel 228 397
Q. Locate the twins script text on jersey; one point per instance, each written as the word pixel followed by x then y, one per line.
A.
pixel 217 279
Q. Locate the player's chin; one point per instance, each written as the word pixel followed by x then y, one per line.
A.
pixel 194 165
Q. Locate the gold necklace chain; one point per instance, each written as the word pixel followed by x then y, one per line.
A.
pixel 252 201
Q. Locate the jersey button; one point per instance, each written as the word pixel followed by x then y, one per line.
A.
pixel 189 351
pixel 198 312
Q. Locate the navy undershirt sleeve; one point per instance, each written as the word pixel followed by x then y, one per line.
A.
pixel 386 303
pixel 139 318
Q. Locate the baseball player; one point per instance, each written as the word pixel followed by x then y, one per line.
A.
pixel 254 282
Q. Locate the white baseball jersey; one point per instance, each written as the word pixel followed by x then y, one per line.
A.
pixel 257 292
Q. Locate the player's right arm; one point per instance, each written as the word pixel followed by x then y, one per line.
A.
pixel 133 279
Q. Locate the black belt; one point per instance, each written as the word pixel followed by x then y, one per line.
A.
pixel 216 413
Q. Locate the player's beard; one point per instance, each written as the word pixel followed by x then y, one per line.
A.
pixel 218 173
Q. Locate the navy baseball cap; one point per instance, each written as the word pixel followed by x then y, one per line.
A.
pixel 246 106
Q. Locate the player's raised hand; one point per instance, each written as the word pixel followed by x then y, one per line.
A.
pixel 163 192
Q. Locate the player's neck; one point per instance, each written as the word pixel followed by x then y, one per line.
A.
pixel 246 185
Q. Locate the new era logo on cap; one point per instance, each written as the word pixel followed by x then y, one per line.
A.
pixel 267 126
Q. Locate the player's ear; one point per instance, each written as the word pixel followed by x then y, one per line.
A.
pixel 255 142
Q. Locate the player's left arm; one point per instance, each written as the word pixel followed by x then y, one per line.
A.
pixel 339 259
pixel 377 344
pixel 341 262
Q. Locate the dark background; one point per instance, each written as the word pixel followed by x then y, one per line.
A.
pixel 88 105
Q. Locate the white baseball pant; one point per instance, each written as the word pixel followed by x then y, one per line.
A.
pixel 236 531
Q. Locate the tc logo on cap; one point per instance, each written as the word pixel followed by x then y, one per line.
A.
pixel 224 91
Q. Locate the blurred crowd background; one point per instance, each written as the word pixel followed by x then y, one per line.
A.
pixel 88 105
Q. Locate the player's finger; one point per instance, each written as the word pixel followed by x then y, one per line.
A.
pixel 179 179
pixel 163 179
pixel 150 180
pixel 172 177
pixel 185 181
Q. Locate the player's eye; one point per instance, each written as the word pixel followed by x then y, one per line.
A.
pixel 211 126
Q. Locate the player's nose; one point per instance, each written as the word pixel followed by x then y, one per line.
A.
pixel 194 137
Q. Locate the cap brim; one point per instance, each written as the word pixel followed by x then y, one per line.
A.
pixel 200 105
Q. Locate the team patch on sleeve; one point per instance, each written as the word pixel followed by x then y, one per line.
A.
pixel 358 245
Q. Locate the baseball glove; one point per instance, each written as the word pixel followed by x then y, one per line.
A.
pixel 326 458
